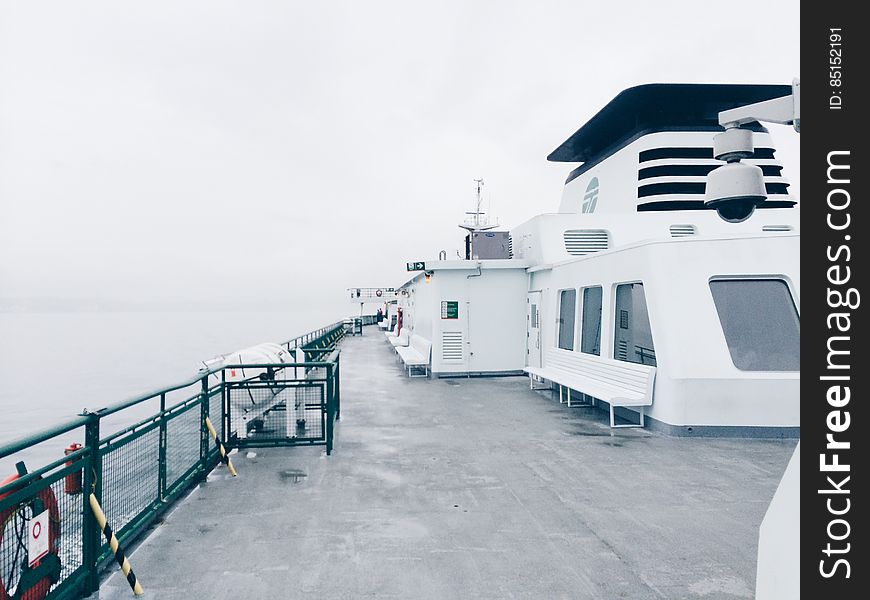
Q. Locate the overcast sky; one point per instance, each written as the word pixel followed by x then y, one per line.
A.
pixel 271 149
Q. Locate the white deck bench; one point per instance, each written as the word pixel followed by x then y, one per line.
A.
pixel 616 382
pixel 416 355
pixel 398 340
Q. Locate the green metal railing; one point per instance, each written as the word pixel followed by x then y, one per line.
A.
pixel 139 470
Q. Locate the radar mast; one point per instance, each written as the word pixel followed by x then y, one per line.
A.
pixel 477 220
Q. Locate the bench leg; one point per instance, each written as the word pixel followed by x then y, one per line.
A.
pixel 424 368
pixel 533 379
pixel 640 422
pixel 584 399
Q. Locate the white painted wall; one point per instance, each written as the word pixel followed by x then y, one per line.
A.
pixel 540 240
pixel 492 314
pixel 696 380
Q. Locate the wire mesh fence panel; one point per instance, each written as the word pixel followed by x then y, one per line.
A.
pixel 183 435
pixel 130 477
pixel 70 509
pixel 277 412
pixel 311 407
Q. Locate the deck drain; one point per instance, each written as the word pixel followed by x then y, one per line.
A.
pixel 292 475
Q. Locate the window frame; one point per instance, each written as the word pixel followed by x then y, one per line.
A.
pixel 558 340
pixel 616 321
pixel 779 277
pixel 581 325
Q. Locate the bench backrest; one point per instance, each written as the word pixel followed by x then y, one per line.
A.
pixel 421 345
pixel 631 377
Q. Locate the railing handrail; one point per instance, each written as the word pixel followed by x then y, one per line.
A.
pixel 43 435
pixel 309 363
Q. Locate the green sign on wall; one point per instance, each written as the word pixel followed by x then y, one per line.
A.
pixel 449 309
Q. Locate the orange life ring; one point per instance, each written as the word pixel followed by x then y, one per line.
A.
pixel 39 590
pixel 379 293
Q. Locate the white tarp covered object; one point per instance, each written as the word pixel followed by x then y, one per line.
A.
pixel 249 408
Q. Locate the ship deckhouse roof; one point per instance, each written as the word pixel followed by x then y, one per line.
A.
pixel 658 107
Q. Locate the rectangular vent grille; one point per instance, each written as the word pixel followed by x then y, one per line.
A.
pixel 777 228
pixel 451 346
pixel 622 350
pixel 579 242
pixel 696 171
pixel 684 182
pixel 660 153
pixel 510 246
pixel 696 188
pixel 683 230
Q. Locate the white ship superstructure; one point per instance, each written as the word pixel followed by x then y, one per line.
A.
pixel 636 294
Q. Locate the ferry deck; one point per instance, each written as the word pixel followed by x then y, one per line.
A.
pixel 467 488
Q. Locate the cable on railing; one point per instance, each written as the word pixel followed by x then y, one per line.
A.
pixel 120 557
pixel 225 457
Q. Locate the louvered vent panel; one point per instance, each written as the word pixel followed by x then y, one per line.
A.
pixel 683 230
pixel 451 346
pixel 579 242
pixel 622 350
pixel 777 228
pixel 510 246
pixel 678 179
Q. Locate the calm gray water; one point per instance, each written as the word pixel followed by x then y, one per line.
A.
pixel 52 365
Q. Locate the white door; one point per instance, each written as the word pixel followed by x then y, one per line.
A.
pixel 452 357
pixel 533 330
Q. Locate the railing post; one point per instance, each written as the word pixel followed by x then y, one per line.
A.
pixel 225 410
pixel 337 387
pixel 92 483
pixel 161 451
pixel 203 428
pixel 330 408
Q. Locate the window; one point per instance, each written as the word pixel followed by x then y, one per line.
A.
pixel 760 322
pixel 590 331
pixel 632 336
pixel 567 306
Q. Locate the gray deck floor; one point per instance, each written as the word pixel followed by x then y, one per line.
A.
pixel 467 488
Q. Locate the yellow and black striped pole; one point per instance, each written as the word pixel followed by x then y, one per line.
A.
pixel 225 458
pixel 113 544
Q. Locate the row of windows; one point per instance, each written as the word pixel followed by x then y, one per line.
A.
pixel 758 318
pixel 632 337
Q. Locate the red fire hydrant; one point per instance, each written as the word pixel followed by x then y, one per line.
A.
pixel 72 483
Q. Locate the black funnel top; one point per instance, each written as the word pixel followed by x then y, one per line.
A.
pixel 659 107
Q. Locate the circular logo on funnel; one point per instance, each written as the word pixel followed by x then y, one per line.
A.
pixel 590 198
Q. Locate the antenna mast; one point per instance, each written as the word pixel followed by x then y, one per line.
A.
pixel 478 221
